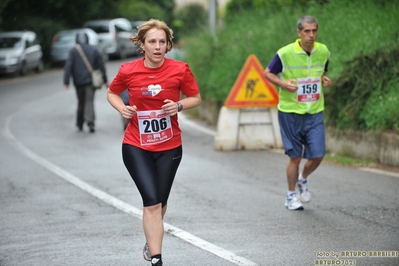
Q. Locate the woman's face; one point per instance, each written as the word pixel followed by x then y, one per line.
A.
pixel 154 46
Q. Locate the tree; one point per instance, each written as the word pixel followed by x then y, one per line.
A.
pixel 3 4
pixel 168 6
pixel 139 10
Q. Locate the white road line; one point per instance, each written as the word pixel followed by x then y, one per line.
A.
pixel 121 205
pixel 205 130
pixel 378 171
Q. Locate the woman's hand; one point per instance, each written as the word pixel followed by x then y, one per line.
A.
pixel 170 107
pixel 128 112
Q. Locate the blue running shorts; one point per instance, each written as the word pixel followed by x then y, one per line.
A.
pixel 303 135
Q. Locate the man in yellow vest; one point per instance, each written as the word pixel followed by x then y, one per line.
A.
pixel 299 70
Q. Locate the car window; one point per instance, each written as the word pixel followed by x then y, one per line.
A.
pixel 66 37
pixel 99 28
pixel 29 42
pixel 120 26
pixel 10 42
pixel 35 41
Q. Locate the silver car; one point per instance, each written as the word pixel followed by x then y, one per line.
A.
pixel 114 35
pixel 20 51
pixel 64 41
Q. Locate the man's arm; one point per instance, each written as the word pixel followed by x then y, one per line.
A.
pixel 289 85
pixel 326 81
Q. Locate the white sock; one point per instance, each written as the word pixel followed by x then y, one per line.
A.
pixel 290 192
pixel 300 178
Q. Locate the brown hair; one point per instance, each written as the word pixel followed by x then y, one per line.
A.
pixel 139 38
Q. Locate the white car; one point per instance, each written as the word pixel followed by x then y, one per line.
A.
pixel 20 51
pixel 114 35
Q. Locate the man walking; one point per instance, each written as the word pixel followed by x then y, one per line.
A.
pixel 82 79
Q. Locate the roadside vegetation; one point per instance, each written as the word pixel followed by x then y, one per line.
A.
pixel 362 36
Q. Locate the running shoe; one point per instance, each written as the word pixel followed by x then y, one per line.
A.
pixel 304 194
pixel 293 203
pixel 156 262
pixel 146 252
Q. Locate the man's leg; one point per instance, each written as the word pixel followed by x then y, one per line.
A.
pixel 89 107
pixel 292 172
pixel 80 93
pixel 292 202
pixel 310 166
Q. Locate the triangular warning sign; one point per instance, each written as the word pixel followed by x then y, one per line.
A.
pixel 251 88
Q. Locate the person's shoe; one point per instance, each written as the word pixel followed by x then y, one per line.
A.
pixel 304 194
pixel 91 127
pixel 80 126
pixel 293 203
pixel 156 262
pixel 146 252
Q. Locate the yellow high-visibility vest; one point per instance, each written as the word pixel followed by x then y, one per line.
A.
pixel 297 64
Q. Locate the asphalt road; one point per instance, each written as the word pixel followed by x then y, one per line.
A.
pixel 66 198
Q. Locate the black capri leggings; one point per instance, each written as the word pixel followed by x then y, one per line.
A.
pixel 152 172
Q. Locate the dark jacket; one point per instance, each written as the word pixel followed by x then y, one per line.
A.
pixel 75 66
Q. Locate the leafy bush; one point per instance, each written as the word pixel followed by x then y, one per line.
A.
pixel 349 29
pixel 236 6
pixel 366 95
pixel 141 11
pixel 189 18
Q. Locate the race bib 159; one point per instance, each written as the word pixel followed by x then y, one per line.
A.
pixel 309 89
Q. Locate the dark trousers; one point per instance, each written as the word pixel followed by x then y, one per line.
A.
pixel 85 112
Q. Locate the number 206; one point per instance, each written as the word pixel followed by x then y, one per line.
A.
pixel 154 125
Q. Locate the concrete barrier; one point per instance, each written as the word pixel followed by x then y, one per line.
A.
pixel 247 129
pixel 383 146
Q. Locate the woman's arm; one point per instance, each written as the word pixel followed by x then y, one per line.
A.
pixel 171 108
pixel 117 102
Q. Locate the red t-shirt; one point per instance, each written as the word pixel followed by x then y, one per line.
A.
pixel 148 88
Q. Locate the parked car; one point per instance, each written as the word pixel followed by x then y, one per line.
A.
pixel 137 23
pixel 20 51
pixel 64 41
pixel 114 35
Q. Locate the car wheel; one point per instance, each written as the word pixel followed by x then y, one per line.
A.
pixel 39 67
pixel 24 69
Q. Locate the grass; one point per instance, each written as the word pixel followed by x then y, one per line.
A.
pixel 352 162
pixel 348 161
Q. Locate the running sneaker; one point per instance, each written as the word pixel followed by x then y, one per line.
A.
pixel 293 203
pixel 156 262
pixel 304 194
pixel 146 252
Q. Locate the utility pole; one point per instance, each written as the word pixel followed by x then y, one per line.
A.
pixel 212 16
